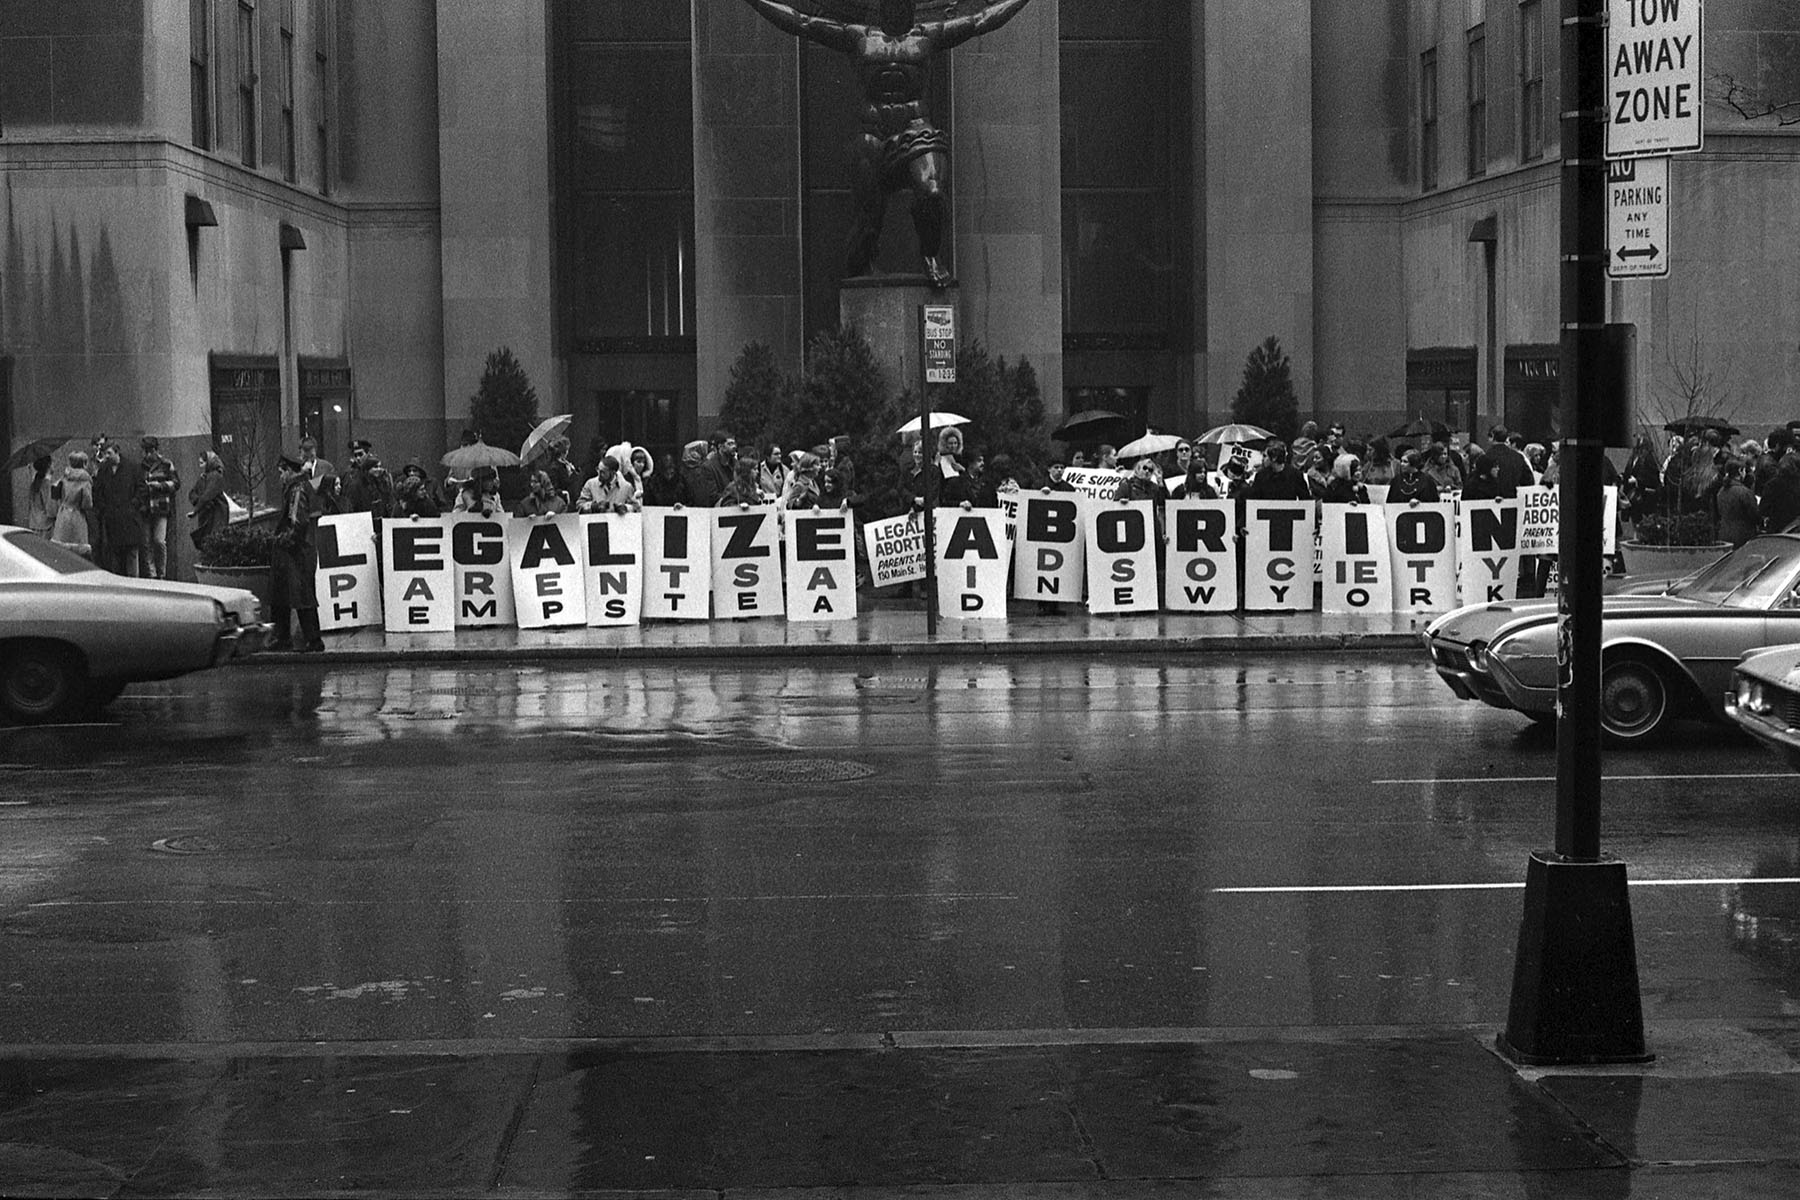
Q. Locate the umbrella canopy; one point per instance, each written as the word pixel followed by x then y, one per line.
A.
pixel 1095 425
pixel 938 420
pixel 540 438
pixel 1689 426
pixel 1150 443
pixel 1234 435
pixel 1437 431
pixel 480 454
pixel 38 448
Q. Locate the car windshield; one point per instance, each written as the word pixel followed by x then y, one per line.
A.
pixel 1752 576
pixel 46 552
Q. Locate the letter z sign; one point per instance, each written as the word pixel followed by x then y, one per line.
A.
pixel 1654 99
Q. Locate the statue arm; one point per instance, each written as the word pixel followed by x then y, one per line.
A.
pixel 958 30
pixel 788 19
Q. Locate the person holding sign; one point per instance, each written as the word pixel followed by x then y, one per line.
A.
pixel 543 500
pixel 1346 485
pixel 607 491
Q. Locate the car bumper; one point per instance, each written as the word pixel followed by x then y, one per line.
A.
pixel 1772 730
pixel 252 639
pixel 1496 684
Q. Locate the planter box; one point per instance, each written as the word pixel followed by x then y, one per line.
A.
pixel 252 579
pixel 1645 561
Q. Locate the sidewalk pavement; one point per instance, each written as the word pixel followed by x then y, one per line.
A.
pixel 1257 1114
pixel 889 629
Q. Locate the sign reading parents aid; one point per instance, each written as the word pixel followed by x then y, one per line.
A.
pixel 1422 546
pixel 972 563
pixel 1278 555
pixel 613 567
pixel 348 580
pixel 1049 552
pixel 821 566
pixel 1358 575
pixel 896 549
pixel 1121 556
pixel 677 564
pixel 747 563
pixel 547 572
pixel 1487 550
pixel 418 579
pixel 484 594
pixel 1203 567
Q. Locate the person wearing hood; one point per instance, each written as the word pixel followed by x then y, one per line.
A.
pixel 697 484
pixel 803 482
pixel 75 507
pixel 543 500
pixel 413 495
pixel 772 473
pixel 207 505
pixel 1345 485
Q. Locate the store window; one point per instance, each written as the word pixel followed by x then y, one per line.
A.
pixel 1441 386
pixel 643 418
pixel 246 426
pixel 1533 390
pixel 326 411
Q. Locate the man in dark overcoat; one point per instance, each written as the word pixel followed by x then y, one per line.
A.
pixel 293 560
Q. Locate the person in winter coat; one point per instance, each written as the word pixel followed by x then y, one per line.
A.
pixel 207 505
pixel 954 485
pixel 1146 484
pixel 1736 504
pixel 697 489
pixel 75 507
pixel 40 498
pixel 413 494
pixel 803 488
pixel 1346 485
pixel 608 490
pixel 156 502
pixel 293 561
pixel 1412 484
pixel 118 483
pixel 772 473
pixel 480 493
pixel 743 490
pixel 1277 479
pixel 543 500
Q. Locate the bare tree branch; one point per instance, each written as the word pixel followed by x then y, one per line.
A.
pixel 1750 104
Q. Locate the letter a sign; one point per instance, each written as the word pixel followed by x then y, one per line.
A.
pixel 1653 93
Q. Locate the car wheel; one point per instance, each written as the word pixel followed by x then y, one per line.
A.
pixel 1634 700
pixel 39 682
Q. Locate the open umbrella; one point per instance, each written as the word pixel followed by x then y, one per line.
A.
pixel 1233 435
pixel 1437 431
pixel 479 454
pixel 1150 443
pixel 35 449
pixel 539 439
pixel 1689 426
pixel 1095 425
pixel 939 420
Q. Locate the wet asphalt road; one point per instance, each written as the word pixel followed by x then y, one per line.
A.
pixel 421 854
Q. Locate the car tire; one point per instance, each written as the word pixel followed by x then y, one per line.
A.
pixel 1635 701
pixel 39 681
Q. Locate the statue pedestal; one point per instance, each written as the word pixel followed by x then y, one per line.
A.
pixel 886 309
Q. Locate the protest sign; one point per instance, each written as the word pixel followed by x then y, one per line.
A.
pixel 821 566
pixel 612 564
pixel 1099 483
pixel 972 563
pixel 1008 498
pixel 1121 556
pixel 1278 555
pixel 1358 576
pixel 548 574
pixel 1202 573
pixel 677 564
pixel 896 549
pixel 418 579
pixel 348 580
pixel 1487 550
pixel 1049 554
pixel 1422 545
pixel 747 563
pixel 484 592
pixel 1540 517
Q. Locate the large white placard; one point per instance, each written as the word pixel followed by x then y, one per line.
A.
pixel 821 566
pixel 612 563
pixel 1121 556
pixel 1202 573
pixel 1049 554
pixel 1487 550
pixel 484 593
pixel 677 564
pixel 1358 576
pixel 1422 543
pixel 747 563
pixel 973 560
pixel 418 580
pixel 896 549
pixel 349 577
pixel 1278 555
pixel 547 572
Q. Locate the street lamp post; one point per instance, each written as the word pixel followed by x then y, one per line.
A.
pixel 1575 986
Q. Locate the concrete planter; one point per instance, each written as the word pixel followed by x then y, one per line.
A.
pixel 1646 561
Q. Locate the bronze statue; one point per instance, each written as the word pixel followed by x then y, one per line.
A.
pixel 898 149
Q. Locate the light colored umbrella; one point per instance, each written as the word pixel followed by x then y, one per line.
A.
pixel 939 420
pixel 1232 435
pixel 1150 443
pixel 540 438
pixel 480 454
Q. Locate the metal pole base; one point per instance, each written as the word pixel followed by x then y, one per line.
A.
pixel 1575 982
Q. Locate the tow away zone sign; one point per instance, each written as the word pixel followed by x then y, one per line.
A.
pixel 1654 98
pixel 1637 218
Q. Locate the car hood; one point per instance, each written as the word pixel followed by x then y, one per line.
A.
pixel 1775 664
pixel 241 602
pixel 1487 622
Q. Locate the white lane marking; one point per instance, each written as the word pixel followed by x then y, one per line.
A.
pixel 1006 897
pixel 1467 887
pixel 1605 778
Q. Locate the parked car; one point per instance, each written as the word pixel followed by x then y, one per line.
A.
pixel 1667 651
pixel 72 636
pixel 1765 699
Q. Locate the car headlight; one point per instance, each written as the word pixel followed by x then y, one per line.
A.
pixel 1752 697
pixel 1478 655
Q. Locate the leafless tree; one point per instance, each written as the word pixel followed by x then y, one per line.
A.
pixel 1751 103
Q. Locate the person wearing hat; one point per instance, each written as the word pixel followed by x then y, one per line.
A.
pixel 412 494
pixel 368 487
pixel 293 560
pixel 208 507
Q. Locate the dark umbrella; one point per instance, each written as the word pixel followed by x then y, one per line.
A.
pixel 1437 431
pixel 31 451
pixel 1689 426
pixel 1095 425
